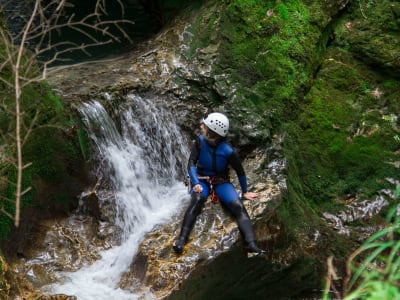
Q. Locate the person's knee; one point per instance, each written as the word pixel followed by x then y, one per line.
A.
pixel 196 204
pixel 237 209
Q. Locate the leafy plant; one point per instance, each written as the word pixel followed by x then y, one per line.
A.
pixel 373 270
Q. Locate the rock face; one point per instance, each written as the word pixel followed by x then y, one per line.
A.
pixel 299 81
pixel 158 267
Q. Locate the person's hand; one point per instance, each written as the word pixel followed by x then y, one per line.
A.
pixel 198 188
pixel 250 195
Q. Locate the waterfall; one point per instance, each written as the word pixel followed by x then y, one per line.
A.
pixel 144 163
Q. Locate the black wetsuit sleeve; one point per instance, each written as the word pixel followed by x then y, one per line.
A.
pixel 194 154
pixel 235 162
pixel 192 162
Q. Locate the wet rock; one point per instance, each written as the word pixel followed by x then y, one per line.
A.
pixel 165 66
pixel 159 268
pixel 65 245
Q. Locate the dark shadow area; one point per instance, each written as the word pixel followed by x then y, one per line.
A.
pixel 141 25
pixel 233 276
pixel 135 22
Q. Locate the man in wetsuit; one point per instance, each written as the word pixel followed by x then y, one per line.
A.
pixel 208 169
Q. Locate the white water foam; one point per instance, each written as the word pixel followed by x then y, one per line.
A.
pixel 142 164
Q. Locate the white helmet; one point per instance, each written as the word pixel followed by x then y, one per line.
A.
pixel 218 123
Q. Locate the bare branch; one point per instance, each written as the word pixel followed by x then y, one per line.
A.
pixel 7 199
pixel 31 125
pixel 78 47
pixel 5 159
pixel 11 136
pixel 7 213
pixel 27 165
pixel 25 191
pixel 60 5
pixel 27 55
pixel 9 182
pixel 6 82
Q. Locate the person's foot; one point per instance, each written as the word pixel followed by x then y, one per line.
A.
pixel 178 245
pixel 253 249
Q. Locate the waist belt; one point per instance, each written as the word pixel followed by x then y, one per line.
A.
pixel 212 181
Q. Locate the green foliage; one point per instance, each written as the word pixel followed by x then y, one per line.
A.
pixel 37 99
pixel 267 51
pixel 375 266
pixel 373 270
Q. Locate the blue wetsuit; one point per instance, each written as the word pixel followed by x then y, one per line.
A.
pixel 214 161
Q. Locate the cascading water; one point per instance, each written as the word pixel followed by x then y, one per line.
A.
pixel 142 162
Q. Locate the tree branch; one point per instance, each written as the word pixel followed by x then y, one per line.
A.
pixel 24 57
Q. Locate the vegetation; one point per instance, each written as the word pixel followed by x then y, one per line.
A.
pixel 28 105
pixel 47 148
pixel 294 72
pixel 345 141
pixel 339 118
pixel 373 270
pixel 273 49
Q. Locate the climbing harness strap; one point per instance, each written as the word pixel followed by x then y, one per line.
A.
pixel 211 181
pixel 214 197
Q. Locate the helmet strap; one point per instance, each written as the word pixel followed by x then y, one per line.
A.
pixel 212 138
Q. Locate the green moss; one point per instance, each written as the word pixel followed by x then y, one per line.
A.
pixel 83 139
pixel 44 149
pixel 344 144
pixel 47 147
pixel 6 222
pixel 268 50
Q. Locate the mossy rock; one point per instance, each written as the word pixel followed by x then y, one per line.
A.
pixel 268 54
pixel 371 31
pixel 345 143
pixel 53 152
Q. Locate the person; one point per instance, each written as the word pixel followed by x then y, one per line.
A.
pixel 208 168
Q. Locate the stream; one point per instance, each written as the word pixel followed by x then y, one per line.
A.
pixel 141 163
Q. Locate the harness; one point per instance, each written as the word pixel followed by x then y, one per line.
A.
pixel 211 181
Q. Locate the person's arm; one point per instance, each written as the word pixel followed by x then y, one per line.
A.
pixel 234 161
pixel 192 163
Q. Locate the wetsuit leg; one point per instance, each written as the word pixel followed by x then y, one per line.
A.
pixel 245 225
pixel 194 209
pixel 227 193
